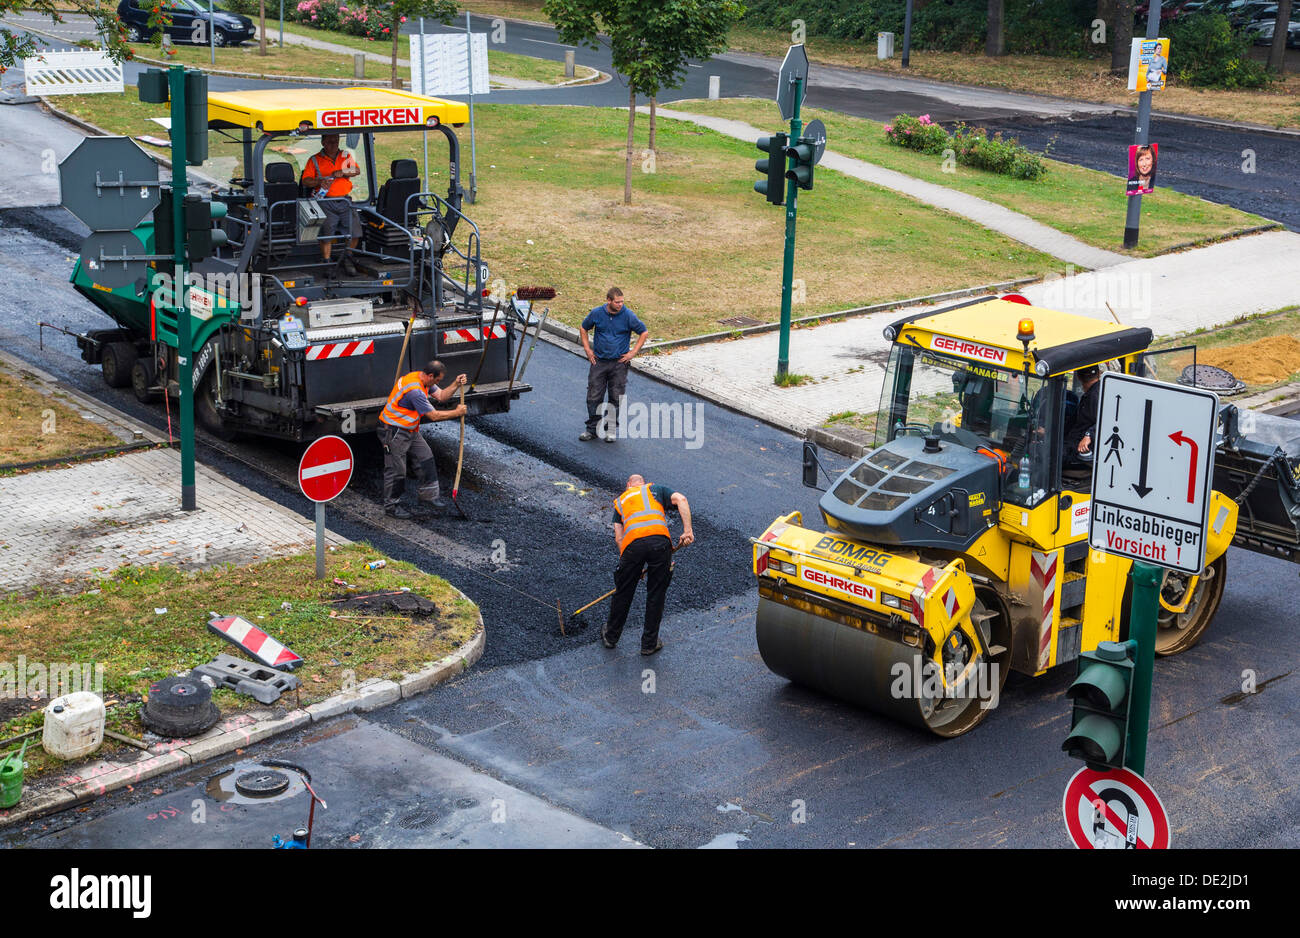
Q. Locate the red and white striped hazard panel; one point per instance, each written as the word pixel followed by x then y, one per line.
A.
pixel 471 335
pixel 341 349
pixel 1045 566
pixel 253 641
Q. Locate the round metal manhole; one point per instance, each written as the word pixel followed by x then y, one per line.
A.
pixel 1212 378
pixel 419 819
pixel 262 784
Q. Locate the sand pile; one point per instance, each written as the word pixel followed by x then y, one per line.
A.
pixel 1264 361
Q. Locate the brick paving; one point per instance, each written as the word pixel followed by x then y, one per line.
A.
pixel 89 519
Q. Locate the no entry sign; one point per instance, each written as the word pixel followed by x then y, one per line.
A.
pixel 325 469
pixel 1114 810
pixel 1153 462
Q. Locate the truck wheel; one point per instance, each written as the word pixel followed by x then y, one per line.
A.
pixel 205 407
pixel 119 357
pixel 1177 632
pixel 142 382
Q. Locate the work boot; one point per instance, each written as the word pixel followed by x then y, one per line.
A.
pixel 587 436
pixel 437 502
pixel 348 266
pixel 397 511
pixel 651 651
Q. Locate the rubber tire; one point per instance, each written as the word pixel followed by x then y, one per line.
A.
pixel 138 33
pixel 220 38
pixel 142 383
pixel 1207 604
pixel 205 407
pixel 117 361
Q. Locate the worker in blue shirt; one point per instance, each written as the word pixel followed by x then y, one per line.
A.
pixel 613 324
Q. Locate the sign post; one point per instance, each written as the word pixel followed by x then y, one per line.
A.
pixel 790 89
pixel 1142 130
pixel 1153 465
pixel 323 474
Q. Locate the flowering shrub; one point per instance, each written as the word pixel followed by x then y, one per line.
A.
pixel 971 145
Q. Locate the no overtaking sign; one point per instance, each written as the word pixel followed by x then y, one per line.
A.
pixel 1153 463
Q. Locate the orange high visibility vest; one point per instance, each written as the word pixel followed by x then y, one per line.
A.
pixel 642 515
pixel 321 166
pixel 402 416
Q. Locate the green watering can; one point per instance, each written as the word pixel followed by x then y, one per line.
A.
pixel 11 778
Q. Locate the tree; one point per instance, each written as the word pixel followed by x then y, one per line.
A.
pixel 1121 37
pixel 261 27
pixel 1277 52
pixel 650 43
pixel 400 11
pixel 102 13
pixel 995 42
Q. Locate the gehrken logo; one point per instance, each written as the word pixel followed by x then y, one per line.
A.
pixel 76 891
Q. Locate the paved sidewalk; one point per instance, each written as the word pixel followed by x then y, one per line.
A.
pixel 1170 294
pixel 990 215
pixel 93 517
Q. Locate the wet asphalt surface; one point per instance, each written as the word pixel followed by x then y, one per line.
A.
pixel 700 745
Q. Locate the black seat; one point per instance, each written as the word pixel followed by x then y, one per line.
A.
pixel 282 186
pixel 405 182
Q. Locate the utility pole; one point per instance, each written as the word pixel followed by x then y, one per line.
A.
pixel 907 36
pixel 1141 135
pixel 180 291
pixel 787 267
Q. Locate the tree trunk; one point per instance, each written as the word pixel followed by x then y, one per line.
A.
pixel 1121 37
pixel 396 29
pixel 261 27
pixel 995 43
pixel 1105 13
pixel 652 125
pixel 1277 52
pixel 627 168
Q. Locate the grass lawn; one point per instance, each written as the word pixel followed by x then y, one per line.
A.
pixel 291 60
pixel 1082 202
pixel 698 244
pixel 36 426
pixel 116 626
pixel 1084 79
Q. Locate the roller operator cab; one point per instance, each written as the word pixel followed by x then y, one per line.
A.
pixel 956 549
pixel 287 344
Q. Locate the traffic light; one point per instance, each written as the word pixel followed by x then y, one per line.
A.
pixel 152 83
pixel 201 237
pixel 773 168
pixel 801 154
pixel 1101 694
pixel 196 118
pixel 164 235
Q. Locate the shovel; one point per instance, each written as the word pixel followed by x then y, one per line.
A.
pixel 575 619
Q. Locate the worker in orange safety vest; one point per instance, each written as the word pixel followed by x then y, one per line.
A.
pixel 399 432
pixel 329 175
pixel 644 544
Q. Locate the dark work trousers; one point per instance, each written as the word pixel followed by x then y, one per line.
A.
pixel 606 375
pixel 655 555
pixel 398 444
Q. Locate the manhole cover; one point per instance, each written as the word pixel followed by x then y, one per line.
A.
pixel 262 784
pixel 741 321
pixel 1212 378
pixel 419 819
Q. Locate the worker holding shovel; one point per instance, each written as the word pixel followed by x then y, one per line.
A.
pixel 644 545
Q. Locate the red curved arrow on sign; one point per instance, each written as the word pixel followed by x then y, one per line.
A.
pixel 1191 471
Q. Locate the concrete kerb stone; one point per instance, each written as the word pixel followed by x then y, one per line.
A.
pixel 445 668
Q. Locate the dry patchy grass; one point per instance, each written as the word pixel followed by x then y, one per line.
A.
pixel 36 426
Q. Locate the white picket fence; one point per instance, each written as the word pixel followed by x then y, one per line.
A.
pixel 72 73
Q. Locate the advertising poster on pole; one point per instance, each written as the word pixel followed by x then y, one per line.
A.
pixel 1142 168
pixel 1147 63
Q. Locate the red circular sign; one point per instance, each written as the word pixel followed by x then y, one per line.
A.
pixel 1114 809
pixel 1016 298
pixel 325 468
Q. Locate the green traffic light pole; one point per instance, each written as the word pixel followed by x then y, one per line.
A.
pixel 180 294
pixel 787 268
pixel 1143 610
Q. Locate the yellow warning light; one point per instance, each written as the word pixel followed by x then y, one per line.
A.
pixel 1025 330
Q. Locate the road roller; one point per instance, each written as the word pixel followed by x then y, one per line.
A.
pixel 956 549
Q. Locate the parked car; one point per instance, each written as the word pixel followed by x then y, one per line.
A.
pixel 1263 30
pixel 228 29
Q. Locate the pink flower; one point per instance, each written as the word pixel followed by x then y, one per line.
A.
pixel 889 128
pixel 403 19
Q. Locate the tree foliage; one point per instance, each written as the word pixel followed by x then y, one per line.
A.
pixel 16 45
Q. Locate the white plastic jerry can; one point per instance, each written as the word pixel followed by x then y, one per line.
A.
pixel 74 725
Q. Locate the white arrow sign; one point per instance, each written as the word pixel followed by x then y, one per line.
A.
pixel 1152 467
